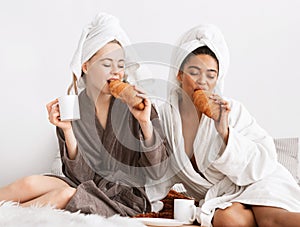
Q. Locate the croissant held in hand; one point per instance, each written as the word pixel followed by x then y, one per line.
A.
pixel 206 105
pixel 126 92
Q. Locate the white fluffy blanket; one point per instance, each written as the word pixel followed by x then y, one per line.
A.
pixel 11 214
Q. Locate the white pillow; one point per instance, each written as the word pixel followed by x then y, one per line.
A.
pixel 56 167
pixel 288 155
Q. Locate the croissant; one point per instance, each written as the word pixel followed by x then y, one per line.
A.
pixel 206 105
pixel 126 92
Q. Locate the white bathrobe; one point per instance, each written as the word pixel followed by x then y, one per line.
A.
pixel 247 171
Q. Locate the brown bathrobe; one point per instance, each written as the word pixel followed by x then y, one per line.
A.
pixel 112 164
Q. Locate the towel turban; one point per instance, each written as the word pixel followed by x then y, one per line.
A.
pixel 202 35
pixel 103 29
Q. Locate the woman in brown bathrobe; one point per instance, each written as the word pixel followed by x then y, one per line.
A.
pixel 109 153
pixel 108 174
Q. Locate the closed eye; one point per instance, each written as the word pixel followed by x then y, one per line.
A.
pixel 211 76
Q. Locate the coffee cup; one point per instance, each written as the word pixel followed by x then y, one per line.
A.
pixel 69 108
pixel 185 210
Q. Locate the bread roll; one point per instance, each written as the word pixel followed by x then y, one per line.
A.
pixel 206 105
pixel 126 93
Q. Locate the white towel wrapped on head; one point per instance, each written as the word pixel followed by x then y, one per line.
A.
pixel 103 29
pixel 202 35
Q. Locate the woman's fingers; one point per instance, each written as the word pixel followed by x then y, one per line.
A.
pixel 54 115
pixel 53 112
pixel 217 99
pixel 139 89
pixel 143 96
pixel 226 107
pixel 50 104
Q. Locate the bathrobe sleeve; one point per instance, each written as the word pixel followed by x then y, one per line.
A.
pixel 250 153
pixel 153 158
pixel 77 170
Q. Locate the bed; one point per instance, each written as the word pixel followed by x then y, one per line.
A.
pixel 13 215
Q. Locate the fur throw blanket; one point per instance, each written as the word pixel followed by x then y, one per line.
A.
pixel 11 214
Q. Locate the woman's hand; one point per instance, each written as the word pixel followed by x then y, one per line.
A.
pixel 54 116
pixel 221 124
pixel 66 126
pixel 143 116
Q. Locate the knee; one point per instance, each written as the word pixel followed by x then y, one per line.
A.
pixel 267 222
pixel 28 183
pixel 66 193
pixel 228 218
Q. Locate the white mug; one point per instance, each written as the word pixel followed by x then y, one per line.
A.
pixel 69 108
pixel 185 210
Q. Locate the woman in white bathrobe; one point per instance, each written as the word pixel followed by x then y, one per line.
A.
pixel 228 163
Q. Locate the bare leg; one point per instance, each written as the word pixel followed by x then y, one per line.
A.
pixel 58 198
pixel 30 187
pixel 235 215
pixel 272 216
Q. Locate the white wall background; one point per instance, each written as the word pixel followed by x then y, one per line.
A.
pixel 38 39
